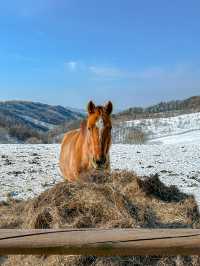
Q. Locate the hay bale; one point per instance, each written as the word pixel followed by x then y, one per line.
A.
pixel 117 200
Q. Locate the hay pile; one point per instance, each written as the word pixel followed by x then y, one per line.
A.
pixel 119 200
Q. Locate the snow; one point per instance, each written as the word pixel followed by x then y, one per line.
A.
pixel 27 170
pixel 188 137
pixel 162 127
pixel 175 164
pixel 38 122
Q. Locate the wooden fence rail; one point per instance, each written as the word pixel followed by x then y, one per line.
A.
pixel 101 242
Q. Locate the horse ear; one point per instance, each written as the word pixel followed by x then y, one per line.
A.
pixel 109 107
pixel 91 107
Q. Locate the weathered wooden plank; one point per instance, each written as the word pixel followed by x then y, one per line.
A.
pixel 101 242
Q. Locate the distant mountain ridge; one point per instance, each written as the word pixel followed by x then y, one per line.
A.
pixel 37 115
pixel 23 119
pixel 77 110
pixel 162 109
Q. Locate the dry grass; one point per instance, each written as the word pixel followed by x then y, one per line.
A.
pixel 119 200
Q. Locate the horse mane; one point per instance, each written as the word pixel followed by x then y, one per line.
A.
pixel 100 108
pixel 83 127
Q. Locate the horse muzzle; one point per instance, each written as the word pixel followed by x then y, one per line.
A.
pixel 99 163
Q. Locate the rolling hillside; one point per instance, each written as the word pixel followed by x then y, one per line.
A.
pixel 180 129
pixel 139 125
pixel 162 109
pixel 21 120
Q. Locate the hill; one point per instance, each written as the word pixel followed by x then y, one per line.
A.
pixel 135 125
pixel 21 120
pixel 183 128
pixel 162 109
pixel 32 122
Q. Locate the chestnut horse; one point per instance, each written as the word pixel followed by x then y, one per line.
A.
pixel 88 147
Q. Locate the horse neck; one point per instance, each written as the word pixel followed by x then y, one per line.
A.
pixel 83 139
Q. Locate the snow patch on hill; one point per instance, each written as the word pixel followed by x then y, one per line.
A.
pixel 192 137
pixel 158 128
pixel 161 127
pixel 38 122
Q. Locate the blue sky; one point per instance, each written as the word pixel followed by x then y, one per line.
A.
pixel 131 52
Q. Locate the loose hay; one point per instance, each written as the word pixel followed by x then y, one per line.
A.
pixel 117 200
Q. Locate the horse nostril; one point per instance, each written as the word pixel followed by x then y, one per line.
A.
pixel 98 162
pixel 101 161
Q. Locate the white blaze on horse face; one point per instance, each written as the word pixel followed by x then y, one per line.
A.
pixel 100 126
pixel 100 123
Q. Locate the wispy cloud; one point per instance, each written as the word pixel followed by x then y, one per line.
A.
pixel 107 72
pixel 71 65
pixel 113 72
pixel 158 72
pixel 119 73
pixel 176 76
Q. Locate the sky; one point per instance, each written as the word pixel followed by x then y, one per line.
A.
pixel 132 52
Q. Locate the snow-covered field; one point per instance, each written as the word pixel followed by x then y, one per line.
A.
pixel 175 164
pixel 181 138
pixel 27 170
pixel 173 153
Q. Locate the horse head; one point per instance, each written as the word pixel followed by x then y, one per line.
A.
pixel 98 134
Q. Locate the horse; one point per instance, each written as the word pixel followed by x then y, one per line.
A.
pixel 87 148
